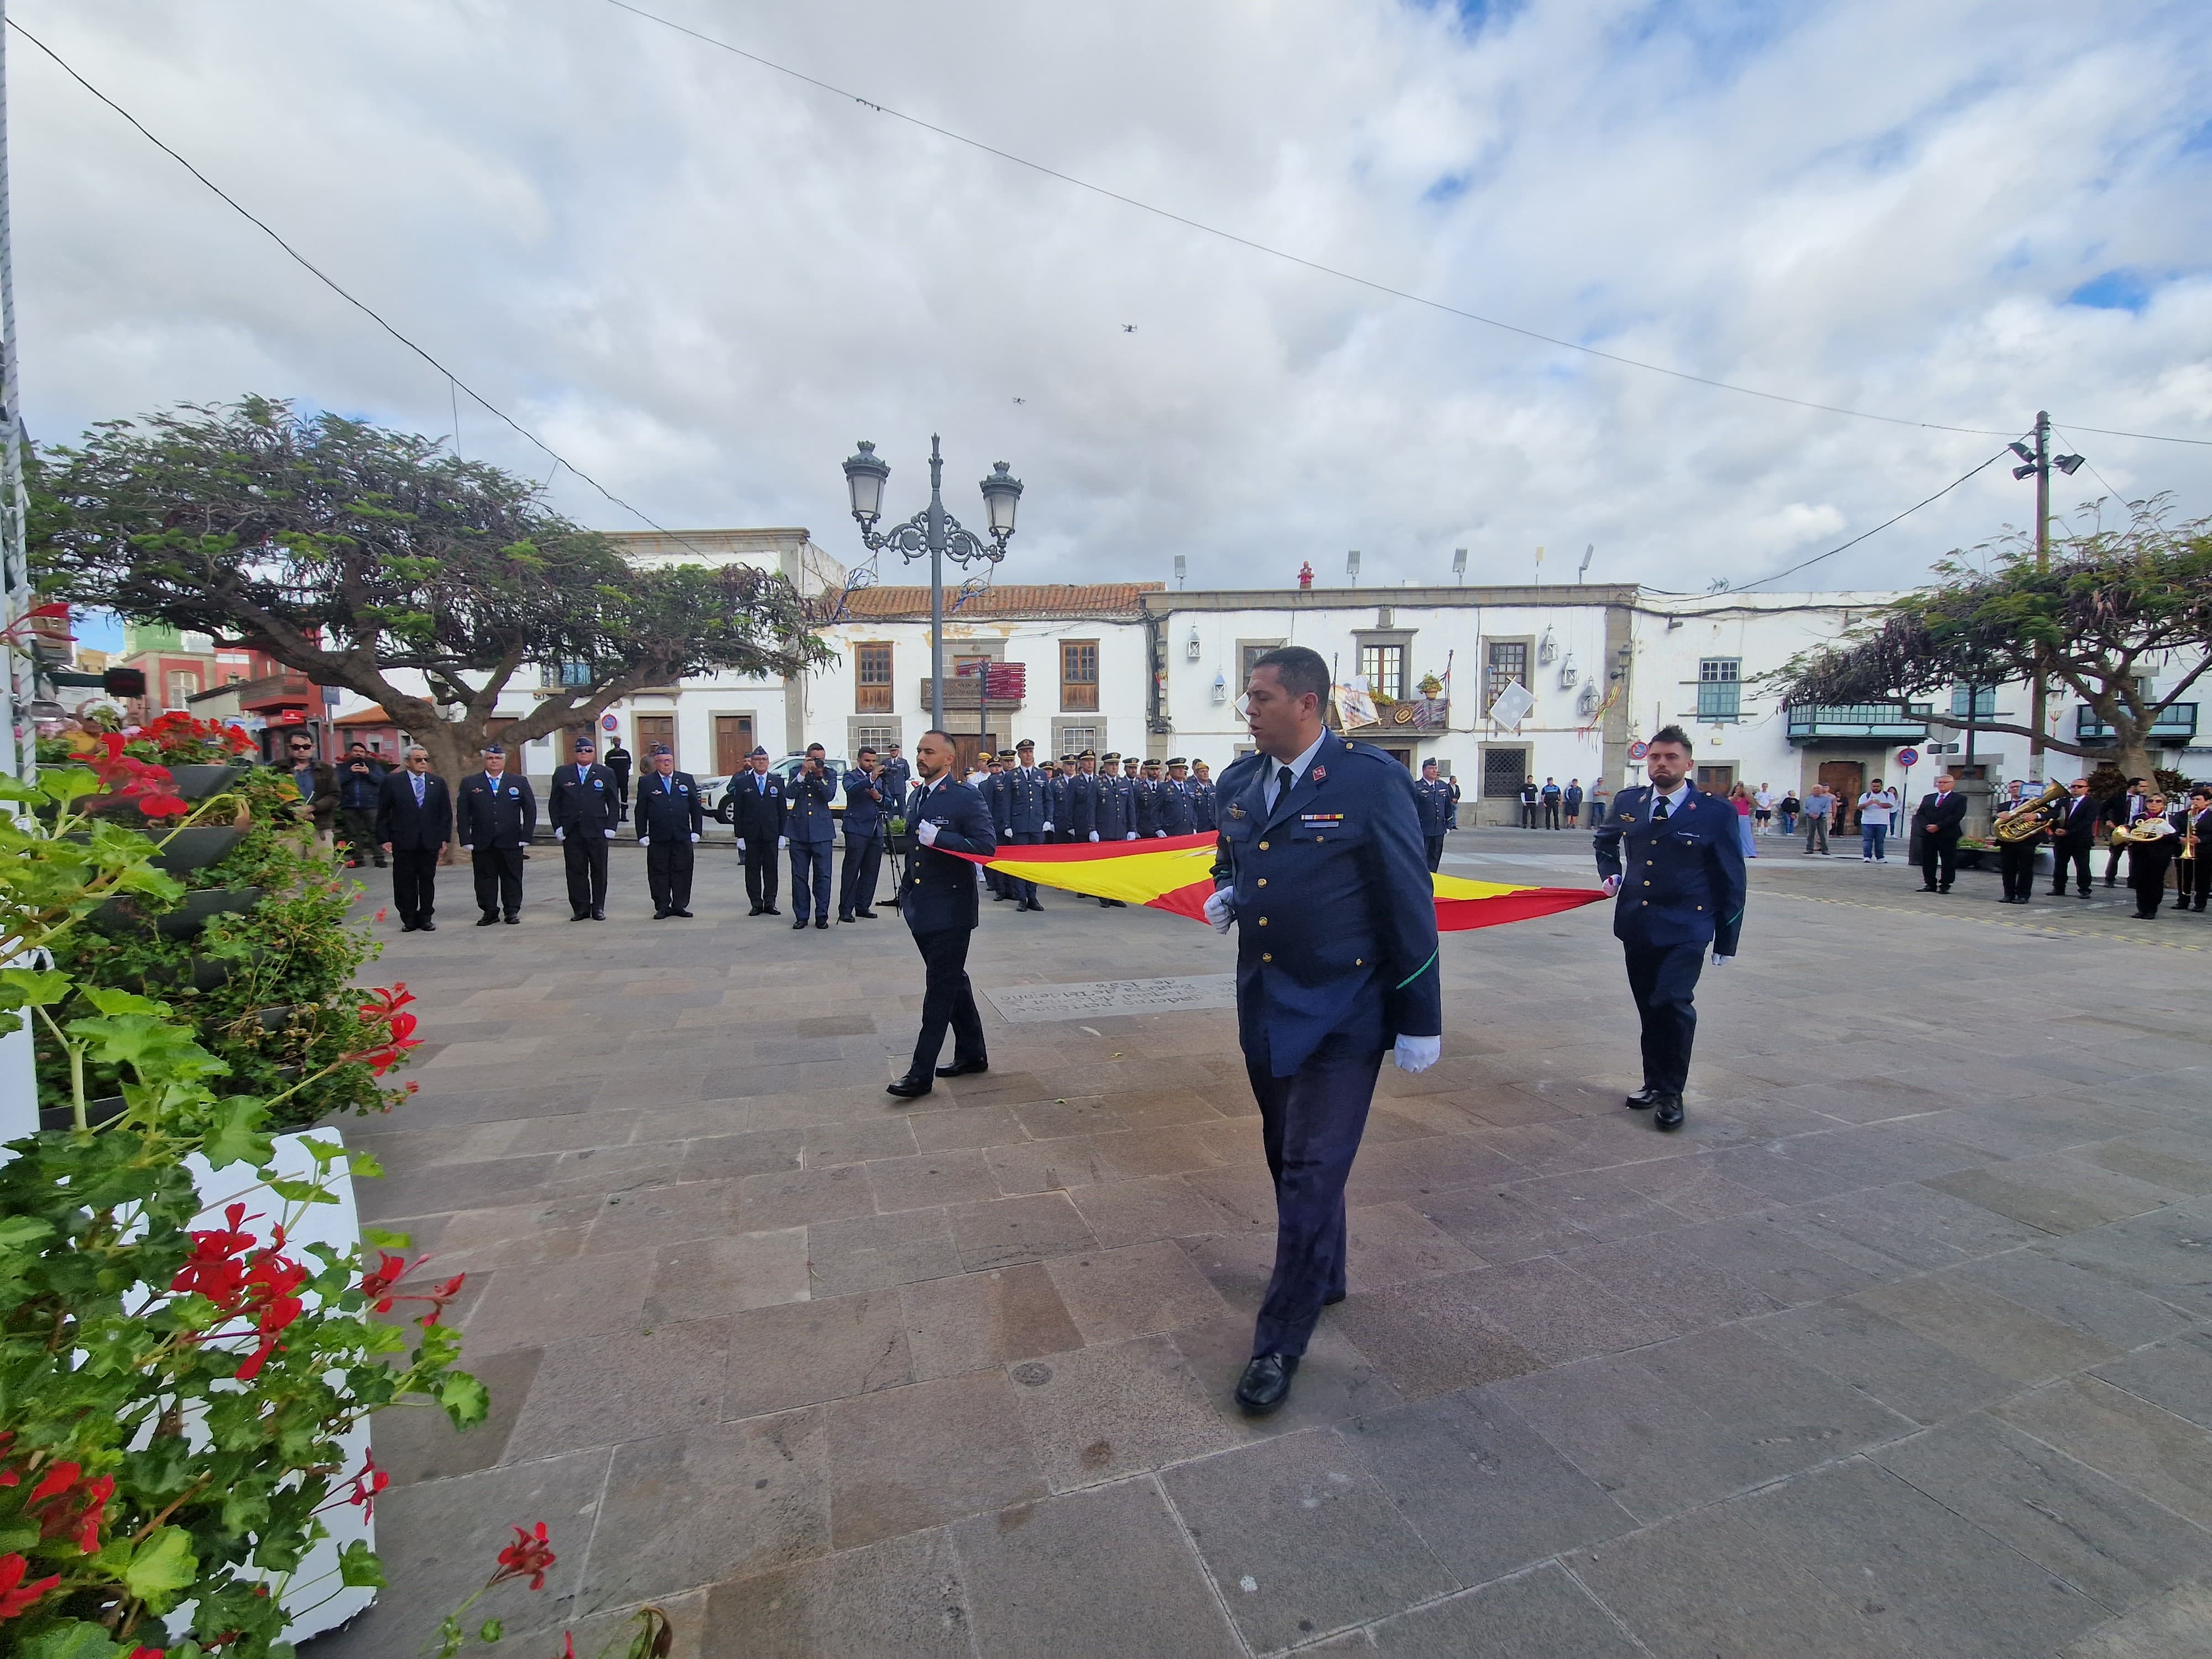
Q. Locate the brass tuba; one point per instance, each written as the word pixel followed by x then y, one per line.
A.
pixel 2028 820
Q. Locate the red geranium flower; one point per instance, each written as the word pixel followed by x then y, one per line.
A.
pixel 17 1596
pixel 64 1503
pixel 366 1484
pixel 528 1556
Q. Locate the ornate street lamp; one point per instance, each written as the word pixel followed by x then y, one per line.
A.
pixel 936 532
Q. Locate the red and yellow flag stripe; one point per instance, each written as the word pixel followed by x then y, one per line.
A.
pixel 1175 873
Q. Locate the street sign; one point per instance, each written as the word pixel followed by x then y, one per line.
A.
pixel 609 723
pixel 1908 759
pixel 1638 749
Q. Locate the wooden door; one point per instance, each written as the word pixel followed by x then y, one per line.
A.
pixel 733 741
pixel 1403 757
pixel 968 745
pixel 1846 782
pixel 1717 779
pixel 653 730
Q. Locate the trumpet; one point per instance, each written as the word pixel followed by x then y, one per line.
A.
pixel 2031 818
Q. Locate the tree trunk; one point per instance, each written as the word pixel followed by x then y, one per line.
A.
pixel 452 757
pixel 2132 755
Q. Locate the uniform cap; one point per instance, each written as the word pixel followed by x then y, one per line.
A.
pixel 583 743
pixel 1088 754
pixel 662 749
pixel 762 752
pixel 1178 760
pixel 494 749
pixel 1026 743
pixel 1111 755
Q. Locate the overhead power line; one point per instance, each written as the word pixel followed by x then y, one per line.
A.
pixel 1341 274
pixel 1876 530
pixel 323 276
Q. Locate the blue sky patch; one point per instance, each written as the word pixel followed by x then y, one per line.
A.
pixel 2114 290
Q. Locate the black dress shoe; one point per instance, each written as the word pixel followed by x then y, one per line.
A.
pixel 513 921
pixel 908 1087
pixel 771 910
pixel 864 915
pixel 1928 887
pixel 680 911
pixel 488 921
pixel 799 926
pixel 660 915
pixel 598 915
pixel 1266 1383
pixel 426 926
pixel 1647 1096
pixel 580 915
pixel 1000 898
pixel 1105 904
pixel 823 922
pixel 1667 1112
pixel 841 920
pixel 756 911
pixel 1331 1301
pixel 963 1068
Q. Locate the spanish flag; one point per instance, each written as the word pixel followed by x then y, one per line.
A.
pixel 1175 873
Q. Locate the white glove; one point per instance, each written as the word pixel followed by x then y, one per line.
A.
pixel 1720 961
pixel 927 835
pixel 1132 835
pixel 695 838
pixel 465 848
pixel 610 835
pixel 1418 1054
pixel 1611 886
pixel 1221 910
pixel 1048 826
pixel 782 841
pixel 561 835
pixel 1160 834
pixel 741 844
pixel 645 841
pixel 1094 834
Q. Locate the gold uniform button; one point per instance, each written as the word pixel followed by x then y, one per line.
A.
pixel 1643 901
pixel 1265 957
pixel 1263 881
pixel 1360 962
pixel 1698 906
pixel 1263 921
pixel 1263 846
pixel 1647 884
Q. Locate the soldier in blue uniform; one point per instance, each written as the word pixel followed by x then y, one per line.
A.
pixel 1319 872
pixel 1433 795
pixel 498 814
pixel 756 808
pixel 897 773
pixel 1145 803
pixel 1201 798
pixel 1080 807
pixel 584 808
pixel 1178 816
pixel 1028 816
pixel 1683 890
pixel 1110 810
pixel 866 806
pixel 670 821
pixel 936 897
pixel 811 829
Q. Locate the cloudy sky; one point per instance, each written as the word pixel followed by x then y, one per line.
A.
pixel 702 280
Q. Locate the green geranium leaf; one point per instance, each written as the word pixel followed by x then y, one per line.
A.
pixel 161 1567
pixel 17 1230
pixel 383 1240
pixel 25 988
pixel 466 1401
pixel 75 1640
pixel 236 1135
pixel 491 1631
pixel 359 1567
pixel 109 1000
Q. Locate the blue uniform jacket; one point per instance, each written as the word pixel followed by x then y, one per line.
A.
pixel 1682 882
pixel 938 893
pixel 1434 799
pixel 498 812
pixel 1145 807
pixel 864 804
pixel 582 800
pixel 1081 806
pixel 1202 806
pixel 806 816
pixel 1110 808
pixel 1029 801
pixel 1177 816
pixel 893 783
pixel 1336 919
pixel 756 807
pixel 668 808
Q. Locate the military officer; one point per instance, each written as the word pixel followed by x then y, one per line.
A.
pixel 498 814
pixel 865 805
pixel 1110 809
pixel 938 901
pixel 1029 816
pixel 1201 798
pixel 893 784
pixel 1080 821
pixel 810 829
pixel 1433 796
pixel 1683 890
pixel 670 821
pixel 1319 872
pixel 757 799
pixel 584 808
pixel 1145 799
pixel 1178 812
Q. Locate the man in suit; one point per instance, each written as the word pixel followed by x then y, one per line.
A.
pixel 811 830
pixel 618 764
pixel 895 775
pixel 1940 822
pixel 938 899
pixel 2016 859
pixel 1432 799
pixel 1028 816
pixel 414 822
pixel 669 823
pixel 2073 834
pixel 1683 892
pixel 756 797
pixel 1318 868
pixel 584 807
pixel 498 813
pixel 866 808
pixel 361 785
pixel 2193 871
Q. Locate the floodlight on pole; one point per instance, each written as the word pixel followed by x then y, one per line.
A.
pixel 1459 565
pixel 1351 566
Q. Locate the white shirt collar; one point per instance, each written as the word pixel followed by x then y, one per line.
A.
pixel 1674 799
pixel 1298 766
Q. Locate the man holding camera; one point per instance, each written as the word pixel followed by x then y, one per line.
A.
pixel 360 784
pixel 865 804
pixel 811 829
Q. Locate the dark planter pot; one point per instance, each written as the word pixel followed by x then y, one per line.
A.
pixel 902 845
pixel 198 782
pixel 277 1018
pixel 1970 858
pixel 198 848
pixel 123 914
pixel 96 1112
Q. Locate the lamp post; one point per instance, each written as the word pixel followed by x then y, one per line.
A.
pixel 936 532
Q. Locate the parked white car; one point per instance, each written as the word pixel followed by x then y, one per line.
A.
pixel 715 793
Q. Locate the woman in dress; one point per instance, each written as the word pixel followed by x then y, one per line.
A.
pixel 1740 798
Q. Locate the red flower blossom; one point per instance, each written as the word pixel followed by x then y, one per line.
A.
pixel 261 1286
pixel 147 1653
pixel 377 1285
pixel 217 1268
pixel 384 1004
pixel 366 1484
pixel 17 1596
pixel 529 1556
pixel 64 1503
pixel 378 916
pixel 385 1001
pixel 138 783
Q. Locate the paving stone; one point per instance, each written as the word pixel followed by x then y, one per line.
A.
pixel 2089 1302
pixel 603 1390
pixel 705 1277
pixel 868 1252
pixel 1791 1414
pixel 724 1501
pixel 1692 1187
pixel 800 1197
pixel 1907 1225
pixel 1054 1580
pixel 1048 1166
pixel 1753 1250
pixel 2165 1457
pixel 983 1320
pixel 1683 1291
pixel 2053 1197
pixel 2176 1625
pixel 763 1152
pixel 968 1126
pixel 2089 1530
pixel 553 1302
pixel 471 1241
pixel 1119 1408
pixel 1539 1616
pixel 1552 1311
pixel 1300 1539
pixel 2176 1374
pixel 1431 1338
pixel 1486 1491
pixel 930 1179
pixel 1335 1380
pixel 419 1443
pixel 804 1352
pixel 1991 1331
pixel 1000 1232
pixel 1902 1369
pixel 908 1458
pixel 1436 1163
pixel 2168 1252
pixel 1136 1289
pixel 902 1599
pixel 828 1145
pixel 1507 1224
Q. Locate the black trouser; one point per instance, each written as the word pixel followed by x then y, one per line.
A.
pixel 857 879
pixel 762 872
pixel 2016 866
pixel 947 1000
pixel 358 835
pixel 1550 815
pixel 585 853
pixel 1939 860
pixel 811 877
pixel 2076 853
pixel 1663 979
pixel 499 879
pixel 1309 1123
pixel 2147 875
pixel 1024 890
pixel 2112 863
pixel 1527 815
pixel 2193 877
pixel 668 871
pixel 622 792
pixel 415 883
pixel 1436 846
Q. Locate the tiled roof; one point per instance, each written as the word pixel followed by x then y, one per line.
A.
pixel 1032 601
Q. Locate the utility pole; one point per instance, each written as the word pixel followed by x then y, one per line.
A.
pixel 2038 462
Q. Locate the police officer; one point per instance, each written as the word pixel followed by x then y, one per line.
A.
pixel 1178 815
pixel 1028 816
pixel 757 799
pixel 670 821
pixel 497 816
pixel 1683 890
pixel 1320 872
pixel 938 900
pixel 1433 796
pixel 1109 811
pixel 1202 805
pixel 811 830
pixel 865 803
pixel 584 807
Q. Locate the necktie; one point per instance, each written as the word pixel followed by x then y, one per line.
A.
pixel 418 788
pixel 1282 782
pixel 1659 813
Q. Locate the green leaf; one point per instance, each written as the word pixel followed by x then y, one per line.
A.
pixel 360 1567
pixel 236 1136
pixel 383 1240
pixel 466 1401
pixel 491 1631
pixel 109 1000
pixel 25 988
pixel 17 1230
pixel 161 1567
pixel 301 1192
pixel 75 1640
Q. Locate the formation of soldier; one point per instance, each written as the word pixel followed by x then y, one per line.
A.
pixel 1089 797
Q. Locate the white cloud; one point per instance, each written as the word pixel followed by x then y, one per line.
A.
pixel 708 280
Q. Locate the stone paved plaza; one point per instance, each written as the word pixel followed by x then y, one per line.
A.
pixel 1903 1346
